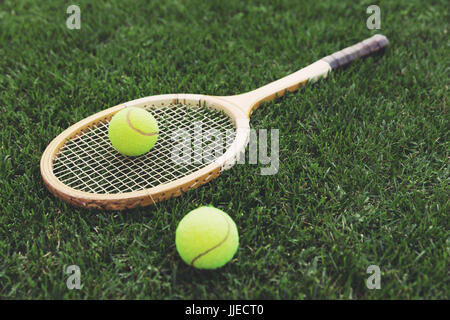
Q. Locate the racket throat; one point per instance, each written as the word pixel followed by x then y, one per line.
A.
pixel 249 101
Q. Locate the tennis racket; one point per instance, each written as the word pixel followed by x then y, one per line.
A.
pixel 80 165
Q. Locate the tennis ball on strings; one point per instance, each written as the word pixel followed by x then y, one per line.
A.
pixel 207 238
pixel 133 131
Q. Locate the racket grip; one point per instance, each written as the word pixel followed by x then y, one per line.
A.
pixel 364 48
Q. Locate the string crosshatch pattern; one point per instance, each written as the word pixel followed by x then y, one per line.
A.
pixel 89 163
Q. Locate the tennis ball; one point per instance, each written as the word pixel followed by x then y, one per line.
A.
pixel 133 131
pixel 206 238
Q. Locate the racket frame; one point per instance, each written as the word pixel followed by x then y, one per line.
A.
pixel 239 109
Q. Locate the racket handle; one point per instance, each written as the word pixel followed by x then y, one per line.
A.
pixel 343 57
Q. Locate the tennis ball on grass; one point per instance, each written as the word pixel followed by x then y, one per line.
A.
pixel 133 131
pixel 207 238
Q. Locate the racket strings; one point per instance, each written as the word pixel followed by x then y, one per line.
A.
pixel 88 162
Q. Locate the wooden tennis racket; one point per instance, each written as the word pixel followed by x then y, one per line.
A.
pixel 81 167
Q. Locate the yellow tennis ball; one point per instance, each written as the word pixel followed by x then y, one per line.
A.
pixel 133 131
pixel 207 238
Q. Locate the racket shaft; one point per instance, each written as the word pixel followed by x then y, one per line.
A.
pixel 251 100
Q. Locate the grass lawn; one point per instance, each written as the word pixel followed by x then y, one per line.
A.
pixel 364 155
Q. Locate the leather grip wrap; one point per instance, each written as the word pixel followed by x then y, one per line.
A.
pixel 371 45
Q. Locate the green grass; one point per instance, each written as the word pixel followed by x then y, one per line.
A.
pixel 364 155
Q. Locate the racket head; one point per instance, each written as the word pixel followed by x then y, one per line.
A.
pixel 81 167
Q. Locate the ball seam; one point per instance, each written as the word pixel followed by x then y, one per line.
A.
pixel 217 245
pixel 136 129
